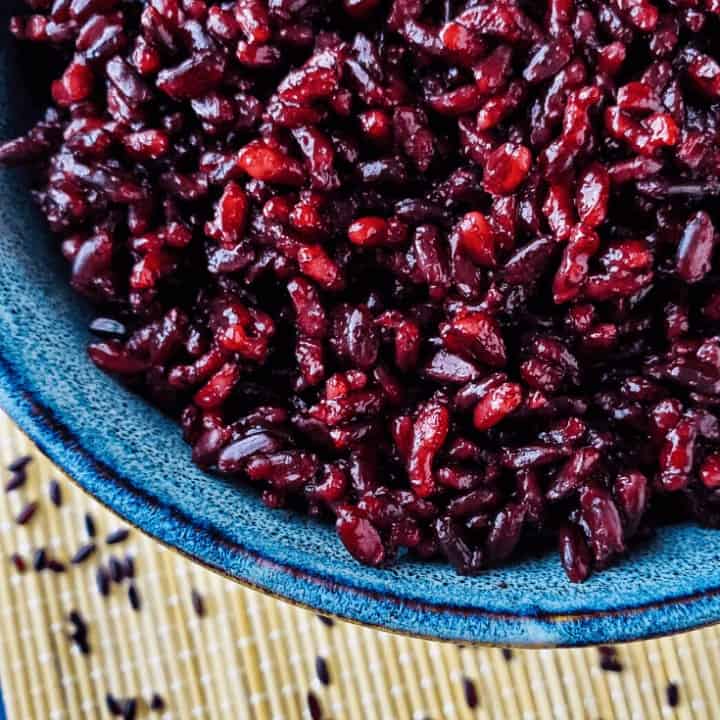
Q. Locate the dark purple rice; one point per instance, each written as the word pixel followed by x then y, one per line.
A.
pixel 56 566
pixel 17 479
pixel 134 597
pixel 129 566
pixel 19 463
pixel 83 553
pixel 314 706
pixel 80 631
pixel 26 513
pixel 113 705
pixel 129 709
pixel 117 569
pixel 39 559
pixel 19 562
pixel 102 581
pixel 89 525
pixel 81 641
pixel 157 703
pixel 117 536
pixel 470 692
pixel 507 654
pixel 321 670
pixel 672 693
pixel 198 603
pixel 325 620
pixel 76 618
pixel 55 493
pixel 609 661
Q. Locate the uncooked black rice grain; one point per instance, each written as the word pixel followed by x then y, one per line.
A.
pixel 157 703
pixel 17 480
pixel 81 642
pixel 117 569
pixel 83 553
pixel 314 706
pixel 25 515
pixel 134 597
pixel 56 566
pixel 611 664
pixel 19 463
pixel 102 581
pixel 129 709
pixel 89 525
pixel 76 618
pixel 672 693
pixel 129 566
pixel 117 536
pixel 507 654
pixel 470 692
pixel 55 493
pixel 39 559
pixel 19 562
pixel 321 670
pixel 325 620
pixel 113 705
pixel 198 603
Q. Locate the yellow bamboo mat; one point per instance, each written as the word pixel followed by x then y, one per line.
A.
pixel 253 657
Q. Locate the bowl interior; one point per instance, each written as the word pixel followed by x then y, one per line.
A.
pixel 133 459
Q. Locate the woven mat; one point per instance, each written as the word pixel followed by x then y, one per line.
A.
pixel 250 656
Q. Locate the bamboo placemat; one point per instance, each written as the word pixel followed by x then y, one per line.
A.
pixel 250 656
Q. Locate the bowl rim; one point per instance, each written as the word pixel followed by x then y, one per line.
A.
pixel 572 629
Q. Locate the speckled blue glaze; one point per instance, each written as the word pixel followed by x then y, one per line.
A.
pixel 134 460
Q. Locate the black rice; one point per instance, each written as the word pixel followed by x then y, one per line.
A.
pixel 129 566
pixel 56 566
pixel 470 692
pixel 19 562
pixel 134 597
pixel 325 620
pixel 83 553
pixel 609 660
pixel 55 493
pixel 39 559
pixel 672 693
pixel 129 709
pixel 19 463
pixel 17 479
pixel 102 581
pixel 26 513
pixel 113 705
pixel 81 642
pixel 89 525
pixel 117 536
pixel 314 706
pixel 157 703
pixel 117 569
pixel 77 620
pixel 321 670
pixel 79 634
pixel 198 603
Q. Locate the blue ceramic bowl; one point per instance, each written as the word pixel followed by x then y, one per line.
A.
pixel 133 459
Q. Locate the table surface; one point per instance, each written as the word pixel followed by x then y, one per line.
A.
pixel 249 656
